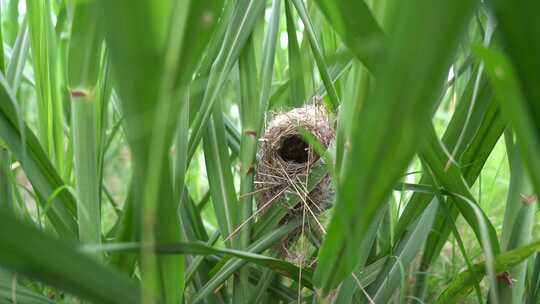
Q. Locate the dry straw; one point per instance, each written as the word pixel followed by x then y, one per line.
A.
pixel 285 161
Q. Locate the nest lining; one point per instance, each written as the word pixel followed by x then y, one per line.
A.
pixel 285 161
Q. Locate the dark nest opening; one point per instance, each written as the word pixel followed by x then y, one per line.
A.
pixel 294 149
pixel 285 161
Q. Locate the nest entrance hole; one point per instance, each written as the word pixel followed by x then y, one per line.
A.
pixel 294 149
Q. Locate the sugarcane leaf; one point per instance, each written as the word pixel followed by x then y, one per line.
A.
pixel 9 288
pixel 318 56
pixel 238 31
pixel 59 264
pixel 296 70
pixel 517 108
pixel 83 71
pixel 24 145
pixel 262 243
pixel 519 37
pixel 450 139
pixel 451 179
pixel 220 177
pixel 461 284
pixel 474 158
pixel 198 248
pixel 357 27
pixel 371 173
pixel 406 250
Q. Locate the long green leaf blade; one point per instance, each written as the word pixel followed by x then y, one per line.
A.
pixel 60 265
pixel 371 173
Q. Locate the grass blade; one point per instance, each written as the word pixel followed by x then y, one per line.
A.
pixel 25 147
pixel 370 174
pixel 296 69
pixel 450 139
pixel 389 276
pixel 517 226
pixel 46 68
pixel 462 284
pixel 60 265
pixel 317 53
pixel 230 266
pixel 220 177
pixel 357 27
pixel 197 248
pixel 12 292
pixel 475 156
pixel 518 110
pixel 519 36
pixel 450 178
pixel 240 28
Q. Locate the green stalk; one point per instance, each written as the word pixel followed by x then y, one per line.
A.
pixel 252 124
pixel 19 54
pixel 48 80
pixel 533 293
pixel 45 180
pixel 86 173
pixel 296 69
pixel 248 142
pixel 57 263
pixel 477 152
pixel 388 278
pixel 354 96
pixel 319 58
pixel 240 28
pixel 355 23
pixel 83 71
pixel 461 284
pixel 517 226
pixel 220 178
pixel 6 198
pixel 11 24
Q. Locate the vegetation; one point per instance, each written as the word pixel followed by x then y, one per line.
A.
pixel 130 137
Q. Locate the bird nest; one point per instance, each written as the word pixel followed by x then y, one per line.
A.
pixel 285 162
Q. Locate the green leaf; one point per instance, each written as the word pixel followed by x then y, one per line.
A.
pixel 462 283
pixel 406 250
pixel 9 288
pixel 371 172
pixel 317 53
pixel 145 71
pixel 60 265
pixel 85 48
pixel 517 108
pixel 519 36
pixel 230 266
pixel 238 31
pixel 451 179
pixel 479 116
pixel 357 27
pixel 197 248
pixel 48 80
pixel 473 159
pixel 44 178
pixel 519 218
pixel 201 23
pixel 18 58
pixel 220 178
pixel 296 70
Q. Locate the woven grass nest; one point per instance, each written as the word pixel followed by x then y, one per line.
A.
pixel 286 159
